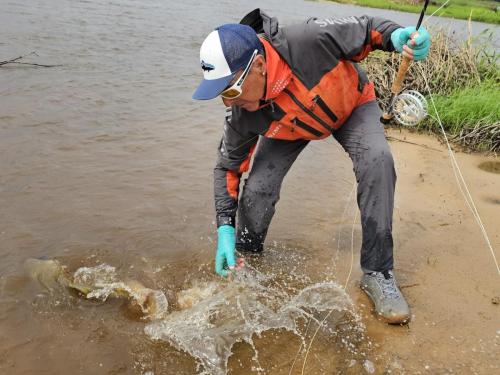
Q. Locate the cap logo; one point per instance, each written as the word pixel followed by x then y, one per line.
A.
pixel 206 66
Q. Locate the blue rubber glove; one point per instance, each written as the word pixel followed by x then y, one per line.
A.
pixel 225 256
pixel 418 41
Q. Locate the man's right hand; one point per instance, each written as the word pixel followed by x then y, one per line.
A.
pixel 225 257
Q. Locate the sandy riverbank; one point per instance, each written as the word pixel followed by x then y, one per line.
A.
pixel 443 264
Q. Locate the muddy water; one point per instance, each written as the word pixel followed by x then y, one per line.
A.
pixel 106 160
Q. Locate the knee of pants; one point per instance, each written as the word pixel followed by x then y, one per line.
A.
pixel 259 195
pixel 376 161
pixel 256 207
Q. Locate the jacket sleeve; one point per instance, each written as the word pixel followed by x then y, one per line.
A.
pixel 353 38
pixel 234 155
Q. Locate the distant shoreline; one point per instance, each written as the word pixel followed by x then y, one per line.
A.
pixel 476 10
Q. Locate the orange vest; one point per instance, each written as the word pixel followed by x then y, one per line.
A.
pixel 311 113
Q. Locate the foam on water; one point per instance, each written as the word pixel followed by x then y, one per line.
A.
pixel 215 316
pixel 100 274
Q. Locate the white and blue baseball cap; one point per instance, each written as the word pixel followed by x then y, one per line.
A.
pixel 224 52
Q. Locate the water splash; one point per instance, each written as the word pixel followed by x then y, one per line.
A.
pixel 215 316
pixel 209 318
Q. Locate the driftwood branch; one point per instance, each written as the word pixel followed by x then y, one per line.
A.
pixel 15 61
pixel 17 58
pixel 23 63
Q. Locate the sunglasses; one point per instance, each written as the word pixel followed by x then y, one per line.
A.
pixel 234 90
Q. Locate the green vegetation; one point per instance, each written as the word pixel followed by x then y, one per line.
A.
pixel 464 81
pixel 472 115
pixel 470 105
pixel 478 10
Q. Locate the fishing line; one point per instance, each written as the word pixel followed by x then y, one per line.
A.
pixel 429 17
pixel 342 220
pixel 228 110
pixel 345 289
pixel 300 347
pixel 346 282
pixel 245 143
pixel 352 250
pixel 339 233
pixel 464 189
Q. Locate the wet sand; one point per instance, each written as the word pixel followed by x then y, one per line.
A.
pixel 443 265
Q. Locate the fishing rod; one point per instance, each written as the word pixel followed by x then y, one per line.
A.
pixel 409 107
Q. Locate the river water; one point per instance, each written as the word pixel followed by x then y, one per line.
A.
pixel 107 160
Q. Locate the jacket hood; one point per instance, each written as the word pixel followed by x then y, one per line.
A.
pixel 268 28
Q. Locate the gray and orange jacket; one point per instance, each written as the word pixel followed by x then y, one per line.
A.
pixel 313 85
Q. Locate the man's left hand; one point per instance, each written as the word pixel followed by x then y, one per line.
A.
pixel 412 43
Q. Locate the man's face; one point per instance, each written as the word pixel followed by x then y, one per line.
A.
pixel 253 88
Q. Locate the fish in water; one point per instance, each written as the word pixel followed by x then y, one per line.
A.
pixel 98 282
pixel 207 319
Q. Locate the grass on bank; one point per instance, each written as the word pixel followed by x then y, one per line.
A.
pixel 464 81
pixel 470 105
pixel 472 115
pixel 482 10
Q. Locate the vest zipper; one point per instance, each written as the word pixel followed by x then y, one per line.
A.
pixel 309 112
pixel 317 100
pixel 306 127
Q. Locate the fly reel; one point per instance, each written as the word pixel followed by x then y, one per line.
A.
pixel 409 108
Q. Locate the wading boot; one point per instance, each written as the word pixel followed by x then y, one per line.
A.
pixel 390 304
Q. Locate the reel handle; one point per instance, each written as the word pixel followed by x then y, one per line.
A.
pixel 386 118
pixel 396 87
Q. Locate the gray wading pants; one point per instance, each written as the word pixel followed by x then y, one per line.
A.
pixel 362 137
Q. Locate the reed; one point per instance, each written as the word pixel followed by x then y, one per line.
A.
pixel 464 80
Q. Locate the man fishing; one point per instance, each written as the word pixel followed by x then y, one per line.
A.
pixel 286 86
